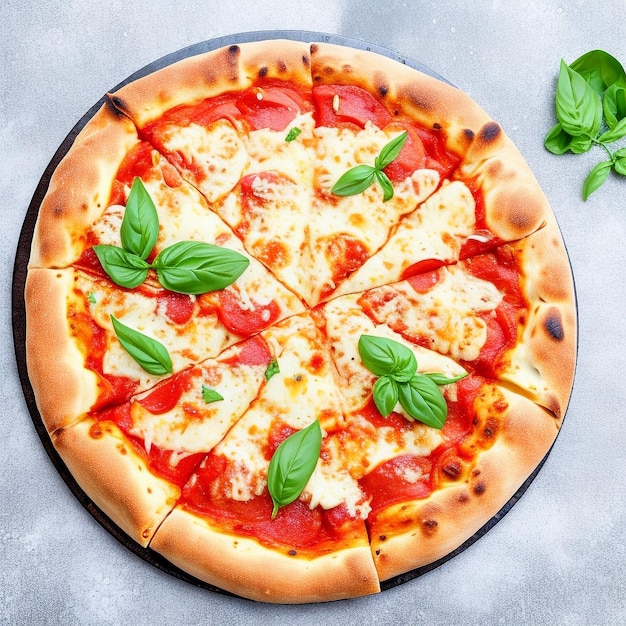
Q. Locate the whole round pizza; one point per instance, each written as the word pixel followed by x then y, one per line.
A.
pixel 299 317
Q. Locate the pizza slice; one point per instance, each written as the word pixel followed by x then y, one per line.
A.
pixel 133 459
pixel 310 549
pixel 429 488
pixel 505 315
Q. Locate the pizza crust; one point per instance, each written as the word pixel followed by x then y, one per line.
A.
pixel 80 188
pixel 246 568
pixel 232 68
pixel 63 388
pixel 111 472
pixel 414 534
pixel 543 362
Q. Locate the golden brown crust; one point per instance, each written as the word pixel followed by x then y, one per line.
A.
pixel 543 362
pixel 244 567
pixel 210 74
pixel 414 534
pixel 115 477
pixel 80 189
pixel 63 388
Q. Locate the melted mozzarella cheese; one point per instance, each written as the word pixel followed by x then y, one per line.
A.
pixel 268 151
pixel 435 231
pixel 446 314
pixel 192 425
pixel 204 335
pixel 345 323
pixel 364 217
pixel 215 156
pixel 299 394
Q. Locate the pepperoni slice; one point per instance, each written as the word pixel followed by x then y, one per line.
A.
pixel 336 105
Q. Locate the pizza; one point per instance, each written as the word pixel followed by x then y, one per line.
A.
pixel 299 318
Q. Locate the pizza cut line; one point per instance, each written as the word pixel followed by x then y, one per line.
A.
pixel 444 253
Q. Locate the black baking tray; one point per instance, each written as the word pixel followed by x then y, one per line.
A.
pixel 18 304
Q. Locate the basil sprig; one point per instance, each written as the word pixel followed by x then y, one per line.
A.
pixel 292 465
pixel 149 353
pixel 591 111
pixel 190 267
pixel 398 381
pixel 359 178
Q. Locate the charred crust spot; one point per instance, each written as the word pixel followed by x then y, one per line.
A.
pixel 313 48
pixel 292 552
pixel 382 538
pixel 282 67
pixel 476 473
pixel 263 72
pixel 469 133
pixel 383 90
pixel 377 552
pixel 490 132
pixel 58 211
pixel 554 326
pixel 480 488
pixel 437 126
pixel 305 60
pixel 234 50
pixel 463 498
pixel 430 526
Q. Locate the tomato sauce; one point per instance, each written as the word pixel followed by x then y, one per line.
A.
pixel 410 477
pixel 296 527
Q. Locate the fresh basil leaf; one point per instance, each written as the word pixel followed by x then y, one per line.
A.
pixel 557 140
pixel 599 69
pixel 578 106
pixel 596 178
pixel 293 134
pixel 354 181
pixel 210 395
pixel 272 369
pixel 440 379
pixel 615 133
pixel 149 353
pixel 140 226
pixel 123 268
pixel 422 399
pixel 91 297
pixel 581 144
pixel 390 151
pixel 386 357
pixel 293 464
pixel 195 267
pixel 385 183
pixel 614 104
pixel 385 393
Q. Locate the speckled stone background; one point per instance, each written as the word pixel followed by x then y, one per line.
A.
pixel 559 556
